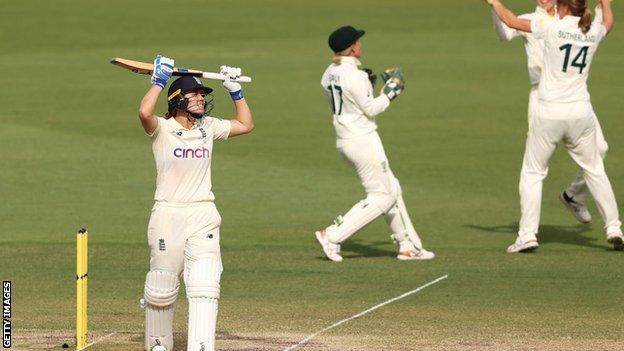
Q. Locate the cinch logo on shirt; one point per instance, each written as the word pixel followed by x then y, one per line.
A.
pixel 191 153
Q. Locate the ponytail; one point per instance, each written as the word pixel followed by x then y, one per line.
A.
pixel 586 21
pixel 579 8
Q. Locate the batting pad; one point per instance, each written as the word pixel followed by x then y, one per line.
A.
pixel 161 290
pixel 202 324
pixel 202 277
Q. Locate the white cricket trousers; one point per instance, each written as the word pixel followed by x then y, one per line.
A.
pixel 578 187
pixel 383 192
pixel 575 125
pixel 182 231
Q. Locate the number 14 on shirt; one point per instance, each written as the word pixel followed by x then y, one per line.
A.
pixel 582 56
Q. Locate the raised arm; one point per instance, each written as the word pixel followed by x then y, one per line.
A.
pixel 504 33
pixel 243 122
pixel 508 17
pixel 163 68
pixel 359 86
pixel 607 14
pixel 598 14
pixel 146 109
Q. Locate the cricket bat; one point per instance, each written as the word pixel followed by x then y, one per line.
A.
pixel 147 68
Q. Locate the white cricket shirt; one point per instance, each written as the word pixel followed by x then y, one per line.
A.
pixel 183 158
pixel 534 47
pixel 568 54
pixel 351 100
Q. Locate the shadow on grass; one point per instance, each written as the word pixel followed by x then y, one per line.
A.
pixel 549 233
pixel 369 250
pixel 353 249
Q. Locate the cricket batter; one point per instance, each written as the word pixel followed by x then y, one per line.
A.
pixel 576 194
pixel 183 232
pixel 350 94
pixel 563 113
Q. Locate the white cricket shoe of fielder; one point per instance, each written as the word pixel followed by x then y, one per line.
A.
pixel 415 254
pixel 331 250
pixel 579 211
pixel 158 348
pixel 617 240
pixel 520 246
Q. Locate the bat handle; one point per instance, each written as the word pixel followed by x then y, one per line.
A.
pixel 218 76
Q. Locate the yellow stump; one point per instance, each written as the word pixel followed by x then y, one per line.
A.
pixel 82 258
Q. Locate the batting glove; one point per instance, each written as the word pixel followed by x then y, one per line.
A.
pixel 234 88
pixel 163 69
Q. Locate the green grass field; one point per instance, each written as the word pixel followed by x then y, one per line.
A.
pixel 73 154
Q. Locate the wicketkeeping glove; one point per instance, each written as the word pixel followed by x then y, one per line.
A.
pixel 163 68
pixel 234 88
pixel 391 72
pixel 394 83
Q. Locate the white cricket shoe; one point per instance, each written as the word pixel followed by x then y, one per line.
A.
pixel 579 211
pixel 415 254
pixel 617 240
pixel 520 246
pixel 158 347
pixel 331 250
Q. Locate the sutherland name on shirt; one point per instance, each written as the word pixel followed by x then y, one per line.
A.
pixel 576 37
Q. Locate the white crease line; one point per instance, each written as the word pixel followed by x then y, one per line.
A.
pixel 365 312
pixel 96 341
